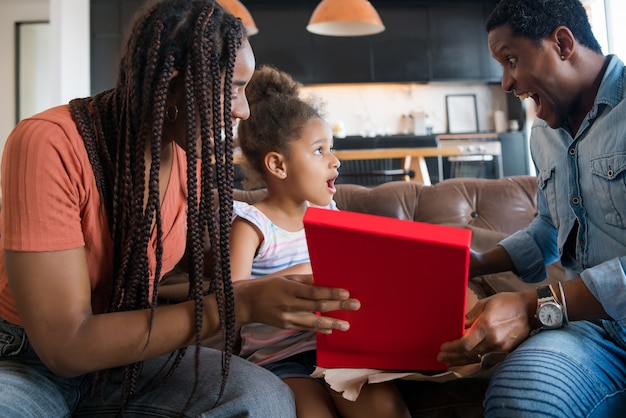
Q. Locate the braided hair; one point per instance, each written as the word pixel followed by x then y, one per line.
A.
pixel 198 39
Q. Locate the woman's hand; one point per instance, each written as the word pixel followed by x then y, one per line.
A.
pixel 497 323
pixel 291 302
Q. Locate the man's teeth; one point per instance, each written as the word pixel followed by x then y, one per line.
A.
pixel 524 96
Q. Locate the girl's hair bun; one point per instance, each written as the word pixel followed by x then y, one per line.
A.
pixel 267 82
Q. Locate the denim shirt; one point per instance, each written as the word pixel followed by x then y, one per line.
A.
pixel 582 179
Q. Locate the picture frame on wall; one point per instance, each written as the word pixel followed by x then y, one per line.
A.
pixel 461 113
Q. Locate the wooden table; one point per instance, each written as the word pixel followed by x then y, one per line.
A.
pixel 413 158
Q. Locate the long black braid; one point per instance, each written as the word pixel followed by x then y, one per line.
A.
pixel 198 39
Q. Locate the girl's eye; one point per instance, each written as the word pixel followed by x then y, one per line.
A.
pixel 318 151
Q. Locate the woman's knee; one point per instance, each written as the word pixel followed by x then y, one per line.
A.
pixel 25 393
pixel 260 389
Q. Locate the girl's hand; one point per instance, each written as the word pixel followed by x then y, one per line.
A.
pixel 291 302
pixel 497 323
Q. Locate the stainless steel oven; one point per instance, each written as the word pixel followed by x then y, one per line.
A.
pixel 480 158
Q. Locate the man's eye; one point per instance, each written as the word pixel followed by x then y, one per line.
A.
pixel 512 61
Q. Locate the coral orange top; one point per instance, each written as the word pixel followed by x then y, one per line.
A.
pixel 51 203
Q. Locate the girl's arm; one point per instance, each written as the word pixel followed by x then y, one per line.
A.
pixel 245 240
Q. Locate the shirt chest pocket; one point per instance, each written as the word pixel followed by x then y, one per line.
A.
pixel 609 180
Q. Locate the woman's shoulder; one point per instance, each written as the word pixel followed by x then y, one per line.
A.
pixel 53 126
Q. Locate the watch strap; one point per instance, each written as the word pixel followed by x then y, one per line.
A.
pixel 545 292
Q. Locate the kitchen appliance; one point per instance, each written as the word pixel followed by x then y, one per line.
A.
pixel 481 156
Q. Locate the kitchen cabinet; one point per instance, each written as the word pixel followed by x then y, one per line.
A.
pixel 459 43
pixel 342 60
pixel 423 41
pixel 286 45
pixel 402 51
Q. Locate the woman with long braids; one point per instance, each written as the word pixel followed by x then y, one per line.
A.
pixel 105 195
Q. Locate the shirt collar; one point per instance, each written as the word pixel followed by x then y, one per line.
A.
pixel 612 85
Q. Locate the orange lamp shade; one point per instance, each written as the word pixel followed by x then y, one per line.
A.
pixel 236 8
pixel 345 18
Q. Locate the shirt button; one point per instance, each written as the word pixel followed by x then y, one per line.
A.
pixel 572 151
pixel 575 200
pixel 609 173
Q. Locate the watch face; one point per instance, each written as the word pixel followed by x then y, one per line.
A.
pixel 550 315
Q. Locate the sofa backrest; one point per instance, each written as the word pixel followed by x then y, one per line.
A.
pixel 506 205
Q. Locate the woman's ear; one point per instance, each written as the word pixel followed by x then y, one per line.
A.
pixel 275 164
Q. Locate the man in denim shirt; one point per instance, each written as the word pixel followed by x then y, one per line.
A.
pixel 578 144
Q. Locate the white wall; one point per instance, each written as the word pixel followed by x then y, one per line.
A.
pixel 69 21
pixel 68 71
pixel 12 11
pixel 34 87
pixel 615 12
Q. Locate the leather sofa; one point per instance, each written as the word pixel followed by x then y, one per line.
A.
pixel 491 208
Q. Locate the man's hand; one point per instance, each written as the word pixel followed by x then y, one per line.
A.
pixel 497 323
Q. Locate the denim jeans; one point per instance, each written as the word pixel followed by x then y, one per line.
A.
pixel 29 389
pixel 575 371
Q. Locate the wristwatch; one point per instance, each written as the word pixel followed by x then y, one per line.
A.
pixel 549 310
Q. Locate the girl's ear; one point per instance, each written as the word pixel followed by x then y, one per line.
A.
pixel 275 164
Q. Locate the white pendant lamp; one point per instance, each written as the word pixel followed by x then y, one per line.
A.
pixel 345 18
pixel 236 8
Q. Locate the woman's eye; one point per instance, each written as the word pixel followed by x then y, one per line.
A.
pixel 235 93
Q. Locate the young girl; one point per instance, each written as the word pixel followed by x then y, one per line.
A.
pixel 288 146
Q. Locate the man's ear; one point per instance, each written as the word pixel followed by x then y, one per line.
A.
pixel 275 164
pixel 565 41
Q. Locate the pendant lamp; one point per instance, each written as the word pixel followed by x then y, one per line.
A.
pixel 236 8
pixel 345 18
